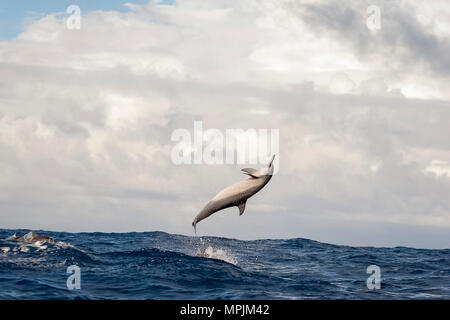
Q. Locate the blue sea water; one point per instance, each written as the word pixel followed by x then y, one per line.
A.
pixel 158 265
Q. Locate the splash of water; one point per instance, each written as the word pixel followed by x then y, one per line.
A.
pixel 217 253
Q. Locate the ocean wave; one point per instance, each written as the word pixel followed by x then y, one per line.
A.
pixel 158 265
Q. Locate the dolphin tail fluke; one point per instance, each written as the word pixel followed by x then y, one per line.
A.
pixel 271 159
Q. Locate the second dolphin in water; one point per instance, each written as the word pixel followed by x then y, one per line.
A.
pixel 31 237
pixel 237 194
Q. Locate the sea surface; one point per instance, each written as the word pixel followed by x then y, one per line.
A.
pixel 158 265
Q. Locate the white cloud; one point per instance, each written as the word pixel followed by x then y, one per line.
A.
pixel 86 116
pixel 439 167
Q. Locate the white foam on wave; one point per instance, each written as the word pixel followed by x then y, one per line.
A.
pixel 5 249
pixel 217 253
pixel 66 245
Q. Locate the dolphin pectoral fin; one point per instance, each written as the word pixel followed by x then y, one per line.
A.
pixel 241 207
pixel 251 172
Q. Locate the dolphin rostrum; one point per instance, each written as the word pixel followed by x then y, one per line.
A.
pixel 237 194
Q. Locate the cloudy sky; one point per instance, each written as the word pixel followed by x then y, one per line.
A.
pixel 86 116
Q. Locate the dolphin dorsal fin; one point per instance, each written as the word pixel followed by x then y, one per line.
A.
pixel 241 207
pixel 13 237
pixel 251 172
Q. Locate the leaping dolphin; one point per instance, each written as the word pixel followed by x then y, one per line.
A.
pixel 237 194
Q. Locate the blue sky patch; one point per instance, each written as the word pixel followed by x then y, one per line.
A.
pixel 14 15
